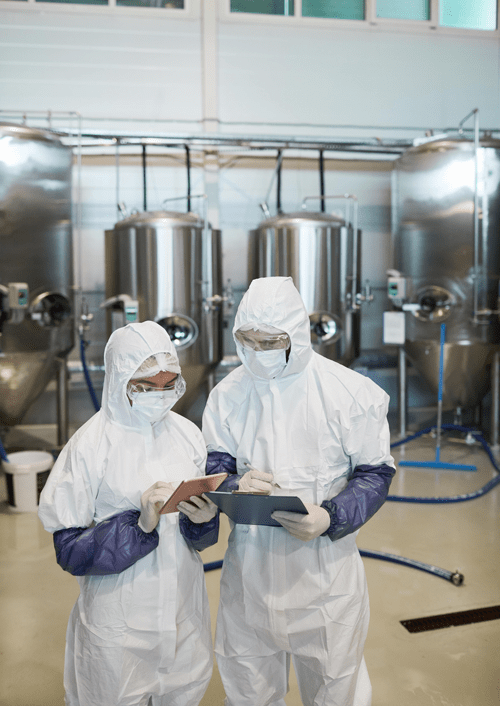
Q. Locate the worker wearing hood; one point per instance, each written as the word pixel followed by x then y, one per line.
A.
pixel 317 430
pixel 139 632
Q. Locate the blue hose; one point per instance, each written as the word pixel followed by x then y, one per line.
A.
pixel 453 498
pixel 93 396
pixel 3 454
pixel 455 577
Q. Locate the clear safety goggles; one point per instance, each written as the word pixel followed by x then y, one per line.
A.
pixel 177 385
pixel 263 340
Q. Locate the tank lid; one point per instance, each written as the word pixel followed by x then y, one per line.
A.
pixel 161 218
pixel 24 132
pixel 453 143
pixel 302 218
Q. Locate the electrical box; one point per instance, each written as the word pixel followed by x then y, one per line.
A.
pixel 394 328
pixel 397 287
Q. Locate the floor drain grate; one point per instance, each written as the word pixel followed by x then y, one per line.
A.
pixel 463 617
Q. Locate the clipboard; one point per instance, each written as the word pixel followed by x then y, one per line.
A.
pixel 194 486
pixel 254 509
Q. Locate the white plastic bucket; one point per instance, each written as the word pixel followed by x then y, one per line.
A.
pixel 26 474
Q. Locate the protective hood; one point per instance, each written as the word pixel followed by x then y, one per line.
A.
pixel 276 302
pixel 126 350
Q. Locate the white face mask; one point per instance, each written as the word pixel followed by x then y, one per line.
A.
pixel 265 364
pixel 155 405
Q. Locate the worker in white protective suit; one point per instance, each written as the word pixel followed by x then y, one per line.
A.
pixel 139 633
pixel 317 430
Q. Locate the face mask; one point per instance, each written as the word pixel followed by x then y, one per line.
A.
pixel 265 364
pixel 155 405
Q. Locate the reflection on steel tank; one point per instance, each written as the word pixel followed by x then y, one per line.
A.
pixel 170 264
pixel 321 252
pixel 36 249
pixel 451 266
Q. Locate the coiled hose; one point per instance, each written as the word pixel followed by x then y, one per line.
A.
pixel 453 498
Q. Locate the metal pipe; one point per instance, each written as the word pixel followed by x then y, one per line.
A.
pixel 117 171
pixel 322 180
pixel 402 391
pixel 144 186
pixel 475 113
pixel 495 404
pixel 62 402
pixel 264 204
pixel 188 170
pixel 278 183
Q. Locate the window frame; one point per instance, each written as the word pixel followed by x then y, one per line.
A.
pixel 370 23
pixel 191 9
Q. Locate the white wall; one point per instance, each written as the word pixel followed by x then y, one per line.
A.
pixel 334 77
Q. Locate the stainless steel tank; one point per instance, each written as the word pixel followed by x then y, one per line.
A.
pixel 321 255
pixel 35 248
pixel 170 263
pixel 452 266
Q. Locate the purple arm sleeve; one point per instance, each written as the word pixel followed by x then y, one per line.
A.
pixel 203 535
pixel 364 494
pixel 221 462
pixel 108 548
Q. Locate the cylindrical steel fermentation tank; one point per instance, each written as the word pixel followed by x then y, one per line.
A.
pixel 36 248
pixel 321 255
pixel 451 264
pixel 170 263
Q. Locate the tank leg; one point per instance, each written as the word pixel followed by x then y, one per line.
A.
pixel 495 407
pixel 402 391
pixel 62 402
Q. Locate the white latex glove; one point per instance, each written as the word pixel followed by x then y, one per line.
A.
pixel 152 501
pixel 304 527
pixel 199 508
pixel 256 482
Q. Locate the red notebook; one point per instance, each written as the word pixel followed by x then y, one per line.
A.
pixel 195 486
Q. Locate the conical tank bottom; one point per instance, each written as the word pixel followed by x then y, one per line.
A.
pixel 466 374
pixel 23 377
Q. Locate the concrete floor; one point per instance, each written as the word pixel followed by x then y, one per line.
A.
pixel 456 666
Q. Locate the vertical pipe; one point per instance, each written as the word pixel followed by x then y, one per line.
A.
pixel 62 402
pixel 188 170
pixel 402 389
pixel 495 405
pixel 278 184
pixel 117 168
pixel 440 392
pixel 322 180
pixel 144 185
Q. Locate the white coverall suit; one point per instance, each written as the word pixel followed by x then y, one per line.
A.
pixel 280 596
pixel 143 632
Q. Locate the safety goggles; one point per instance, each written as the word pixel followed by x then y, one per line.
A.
pixel 178 384
pixel 258 340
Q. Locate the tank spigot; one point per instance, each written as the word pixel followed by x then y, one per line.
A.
pixel 216 301
pixel 366 297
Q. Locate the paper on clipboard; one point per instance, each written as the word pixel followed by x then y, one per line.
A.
pixel 255 509
pixel 194 486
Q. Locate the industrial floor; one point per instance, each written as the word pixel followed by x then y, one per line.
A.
pixel 451 666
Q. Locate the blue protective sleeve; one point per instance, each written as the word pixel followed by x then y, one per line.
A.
pixel 364 494
pixel 221 462
pixel 203 535
pixel 108 548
